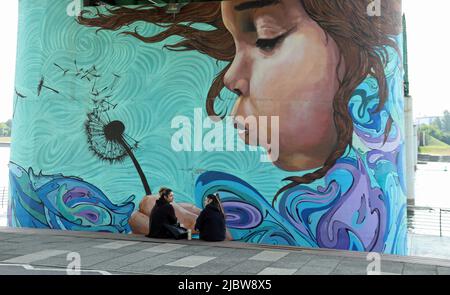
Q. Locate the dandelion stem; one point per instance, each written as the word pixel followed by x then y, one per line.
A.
pixel 138 167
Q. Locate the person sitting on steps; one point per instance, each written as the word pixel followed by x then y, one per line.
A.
pixel 162 214
pixel 211 221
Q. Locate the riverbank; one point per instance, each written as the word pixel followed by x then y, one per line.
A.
pixel 433 158
pixel 5 141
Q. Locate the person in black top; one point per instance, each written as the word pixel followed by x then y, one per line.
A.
pixel 211 221
pixel 162 214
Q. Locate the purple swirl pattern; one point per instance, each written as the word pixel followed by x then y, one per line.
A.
pixel 352 215
pixel 358 215
pixel 241 215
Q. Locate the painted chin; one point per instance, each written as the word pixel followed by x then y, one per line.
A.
pixel 280 165
pixel 286 165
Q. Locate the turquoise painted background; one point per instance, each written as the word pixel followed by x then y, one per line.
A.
pixel 154 86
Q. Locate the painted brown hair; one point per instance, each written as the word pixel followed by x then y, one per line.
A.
pixel 361 39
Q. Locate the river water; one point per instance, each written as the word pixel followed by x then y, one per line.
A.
pixel 433 185
pixel 4 171
pixel 4 160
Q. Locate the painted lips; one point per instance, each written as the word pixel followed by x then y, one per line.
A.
pixel 242 129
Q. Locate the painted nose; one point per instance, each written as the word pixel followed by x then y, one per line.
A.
pixel 236 79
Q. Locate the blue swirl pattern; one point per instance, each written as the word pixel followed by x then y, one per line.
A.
pixel 66 203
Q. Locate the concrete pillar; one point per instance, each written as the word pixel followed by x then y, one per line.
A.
pixel 411 150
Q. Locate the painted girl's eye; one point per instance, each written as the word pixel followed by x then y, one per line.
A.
pixel 268 45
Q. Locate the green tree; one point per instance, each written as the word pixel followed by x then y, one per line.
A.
pixel 9 123
pixel 433 131
pixel 446 121
pixel 4 130
pixel 438 123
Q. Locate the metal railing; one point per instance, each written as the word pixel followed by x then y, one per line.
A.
pixel 429 220
pixel 3 197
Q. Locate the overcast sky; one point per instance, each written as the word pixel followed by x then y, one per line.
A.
pixel 429 60
pixel 8 31
pixel 429 55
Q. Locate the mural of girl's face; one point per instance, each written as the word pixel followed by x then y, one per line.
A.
pixel 286 66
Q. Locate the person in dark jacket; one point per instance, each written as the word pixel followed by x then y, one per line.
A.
pixel 211 221
pixel 162 214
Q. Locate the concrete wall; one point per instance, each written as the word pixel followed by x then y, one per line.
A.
pixel 106 117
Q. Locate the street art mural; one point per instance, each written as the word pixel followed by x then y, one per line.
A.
pixel 69 203
pixel 132 98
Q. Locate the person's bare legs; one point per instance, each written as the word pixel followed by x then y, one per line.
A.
pixel 139 221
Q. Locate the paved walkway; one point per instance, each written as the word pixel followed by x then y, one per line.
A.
pixel 28 251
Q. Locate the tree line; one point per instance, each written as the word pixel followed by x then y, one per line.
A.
pixel 5 128
pixel 439 128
